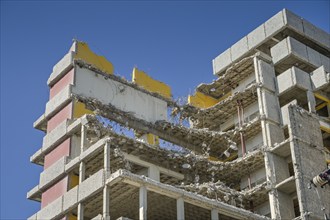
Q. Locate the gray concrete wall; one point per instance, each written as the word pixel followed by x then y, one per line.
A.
pixel 291 47
pixel 308 161
pixel 293 77
pixel 123 97
pixel 320 78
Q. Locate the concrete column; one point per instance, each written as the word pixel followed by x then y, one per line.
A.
pixel 106 203
pixel 276 167
pixel 82 169
pixel 143 203
pixel 214 214
pixel 106 190
pixel 180 209
pixel 311 101
pixel 107 159
pixel 80 213
pixel 153 173
pixel 83 141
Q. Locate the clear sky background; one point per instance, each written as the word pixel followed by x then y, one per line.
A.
pixel 173 41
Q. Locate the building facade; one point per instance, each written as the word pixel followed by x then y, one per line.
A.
pixel 245 146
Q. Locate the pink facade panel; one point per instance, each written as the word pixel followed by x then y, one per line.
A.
pixel 61 150
pixel 64 81
pixel 54 192
pixel 63 114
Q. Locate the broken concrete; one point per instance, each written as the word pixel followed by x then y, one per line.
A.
pixel 248 154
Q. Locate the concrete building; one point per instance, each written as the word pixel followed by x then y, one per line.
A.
pixel 257 135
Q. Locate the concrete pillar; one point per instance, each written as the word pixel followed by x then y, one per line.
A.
pixel 82 169
pixel 153 173
pixel 269 107
pixel 106 190
pixel 107 160
pixel 180 209
pixel 143 203
pixel 106 203
pixel 80 213
pixel 311 101
pixel 214 214
pixel 83 141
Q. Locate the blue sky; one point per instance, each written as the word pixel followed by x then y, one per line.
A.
pixel 173 41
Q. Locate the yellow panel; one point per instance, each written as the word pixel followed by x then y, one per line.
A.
pixel 71 217
pixel 213 159
pixel 142 79
pixel 320 106
pixel 79 109
pixel 74 180
pixel 232 157
pixel 152 139
pixel 201 100
pixel 325 129
pixel 84 53
pixel 319 96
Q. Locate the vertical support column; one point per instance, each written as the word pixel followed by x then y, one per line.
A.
pixel 311 101
pixel 82 168
pixel 106 190
pixel 106 203
pixel 214 214
pixel 81 172
pixel 180 209
pixel 153 173
pixel 269 107
pixel 143 203
pixel 107 159
pixel 80 214
pixel 83 140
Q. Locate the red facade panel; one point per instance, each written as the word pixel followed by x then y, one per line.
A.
pixel 64 81
pixel 61 150
pixel 54 192
pixel 63 114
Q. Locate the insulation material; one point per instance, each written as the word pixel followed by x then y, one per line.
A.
pixel 201 100
pixel 84 53
pixel 79 109
pixel 142 79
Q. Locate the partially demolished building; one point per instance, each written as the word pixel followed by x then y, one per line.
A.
pixel 245 146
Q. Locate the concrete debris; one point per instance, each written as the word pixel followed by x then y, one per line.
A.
pixel 249 142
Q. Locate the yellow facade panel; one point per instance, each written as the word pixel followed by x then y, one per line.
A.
pixel 79 109
pixel 152 139
pixel 84 53
pixel 325 129
pixel 71 217
pixel 201 100
pixel 74 180
pixel 142 79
